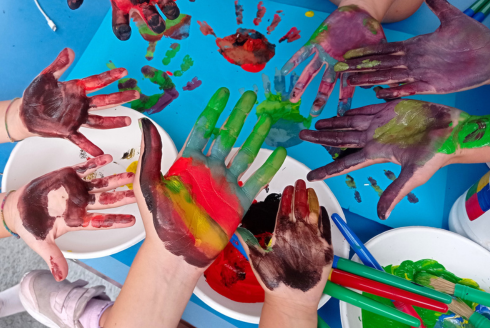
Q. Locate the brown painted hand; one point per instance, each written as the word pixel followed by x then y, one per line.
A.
pixel 57 203
pixel 298 259
pixel 422 137
pixel 56 109
pixel 453 58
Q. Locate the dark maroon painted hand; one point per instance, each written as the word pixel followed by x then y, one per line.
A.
pixel 56 109
pixel 299 256
pixel 453 58
pixel 420 136
pixel 57 203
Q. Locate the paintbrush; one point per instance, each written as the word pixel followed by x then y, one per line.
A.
pixel 476 319
pixel 464 292
pixel 477 5
pixel 483 12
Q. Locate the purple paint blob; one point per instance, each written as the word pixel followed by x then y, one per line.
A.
pixel 192 84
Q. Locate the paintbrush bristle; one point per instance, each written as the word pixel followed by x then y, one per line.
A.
pixel 460 308
pixel 439 284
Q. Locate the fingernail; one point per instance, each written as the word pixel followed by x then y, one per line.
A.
pixel 340 67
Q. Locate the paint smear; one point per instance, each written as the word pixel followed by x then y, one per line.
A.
pixel 174 49
pixel 192 84
pixel 260 13
pixel 374 185
pixel 238 12
pixel 205 28
pixel 247 48
pixel 411 196
pixel 309 13
pixel 291 36
pixel 275 22
pixel 129 154
pixel 187 63
pixel 132 168
pixel 352 185
pixel 279 11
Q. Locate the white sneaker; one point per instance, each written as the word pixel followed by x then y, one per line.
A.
pixel 56 304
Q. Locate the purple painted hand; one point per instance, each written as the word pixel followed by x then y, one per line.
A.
pixel 453 58
pixel 348 27
pixel 420 136
pixel 56 109
pixel 57 203
pixel 298 258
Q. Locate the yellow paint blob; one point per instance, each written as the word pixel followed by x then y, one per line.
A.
pixel 132 168
pixel 309 13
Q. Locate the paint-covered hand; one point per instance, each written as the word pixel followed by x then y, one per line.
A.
pixel 420 136
pixel 296 262
pixel 54 109
pixel 196 207
pixel 57 203
pixel 453 58
pixel 347 28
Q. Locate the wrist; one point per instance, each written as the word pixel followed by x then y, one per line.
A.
pixel 13 122
pixel 290 307
pixel 8 215
pixel 376 8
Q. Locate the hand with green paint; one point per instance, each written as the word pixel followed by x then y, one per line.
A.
pixel 349 27
pixel 453 58
pixel 196 207
pixel 294 266
pixel 420 136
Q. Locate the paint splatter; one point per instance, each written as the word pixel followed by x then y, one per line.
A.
pixel 132 169
pixel 169 73
pixel 309 13
pixel 83 154
pixel 174 49
pixel 247 48
pixel 275 22
pixel 411 196
pixel 291 36
pixel 279 11
pixel 205 28
pixel 260 13
pixel 238 12
pixel 150 50
pixel 187 63
pixel 374 185
pixel 352 185
pixel 129 154
pixel 192 84
pixel 55 270
pixel 286 118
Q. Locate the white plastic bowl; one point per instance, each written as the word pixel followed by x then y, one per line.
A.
pixel 290 171
pixel 458 254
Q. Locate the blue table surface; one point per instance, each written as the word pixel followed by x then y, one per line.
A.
pixel 28 45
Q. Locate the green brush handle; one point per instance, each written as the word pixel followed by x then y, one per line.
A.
pixel 321 323
pixel 477 5
pixel 365 303
pixel 471 294
pixel 479 321
pixel 389 279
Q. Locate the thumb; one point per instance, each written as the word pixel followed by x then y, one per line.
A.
pixel 55 260
pixel 443 9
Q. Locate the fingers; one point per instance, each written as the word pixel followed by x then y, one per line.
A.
pixel 378 49
pixel 151 157
pixel 250 148
pixel 203 129
pixel 120 23
pixel 74 4
pixel 395 192
pixel 79 139
pixel 95 221
pixel 370 63
pixel 357 123
pixel 92 165
pixel 104 122
pixel 151 17
pixel 405 90
pixel 305 78
pixel 391 76
pixel 265 173
pixel 53 257
pixel 111 199
pixel 113 99
pixel 110 182
pixel 301 208
pixel 285 212
pixel 347 139
pixel 99 81
pixel 324 225
pixel 346 94
pixel 326 86
pixel 341 166
pixel 61 63
pixel 296 59
pixel 443 9
pixel 169 8
pixel 313 207
pixel 230 131
pixel 369 109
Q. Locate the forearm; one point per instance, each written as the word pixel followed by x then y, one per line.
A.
pixel 280 314
pixel 156 291
pixel 10 119
pixel 386 11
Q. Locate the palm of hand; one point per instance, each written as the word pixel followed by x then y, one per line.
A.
pixel 347 28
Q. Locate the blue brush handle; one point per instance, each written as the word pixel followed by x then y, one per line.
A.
pixel 366 257
pixel 479 16
pixel 470 12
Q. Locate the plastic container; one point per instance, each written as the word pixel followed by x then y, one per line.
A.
pixel 470 215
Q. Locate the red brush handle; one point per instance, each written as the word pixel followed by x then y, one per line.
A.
pixel 350 280
pixel 408 309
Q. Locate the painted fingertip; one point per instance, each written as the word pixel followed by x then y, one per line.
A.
pixel 286 69
pixel 340 67
pixel 122 32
